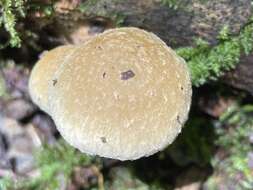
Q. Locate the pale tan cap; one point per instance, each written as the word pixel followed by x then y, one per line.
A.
pixel 42 73
pixel 122 95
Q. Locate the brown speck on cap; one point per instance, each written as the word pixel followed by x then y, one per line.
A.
pixel 178 119
pixel 127 75
pixel 54 82
pixel 103 139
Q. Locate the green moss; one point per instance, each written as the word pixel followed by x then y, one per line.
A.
pixel 56 164
pixel 234 141
pixel 210 62
pixel 11 9
pixel 5 183
pixel 118 19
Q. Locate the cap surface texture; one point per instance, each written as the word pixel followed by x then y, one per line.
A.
pixel 122 95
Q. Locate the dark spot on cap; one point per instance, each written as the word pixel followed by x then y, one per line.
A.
pixel 182 88
pixel 104 74
pixel 54 82
pixel 178 119
pixel 127 75
pixel 103 139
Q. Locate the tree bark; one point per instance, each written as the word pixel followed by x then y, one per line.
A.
pixel 178 27
pixel 242 76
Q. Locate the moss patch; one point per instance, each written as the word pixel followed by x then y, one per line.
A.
pixel 208 62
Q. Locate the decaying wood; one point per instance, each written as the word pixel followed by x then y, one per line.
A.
pixel 242 76
pixel 177 26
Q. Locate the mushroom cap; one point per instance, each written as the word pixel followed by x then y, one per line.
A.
pixel 122 95
pixel 42 73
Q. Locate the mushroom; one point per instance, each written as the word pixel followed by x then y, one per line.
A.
pixel 123 95
pixel 42 73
